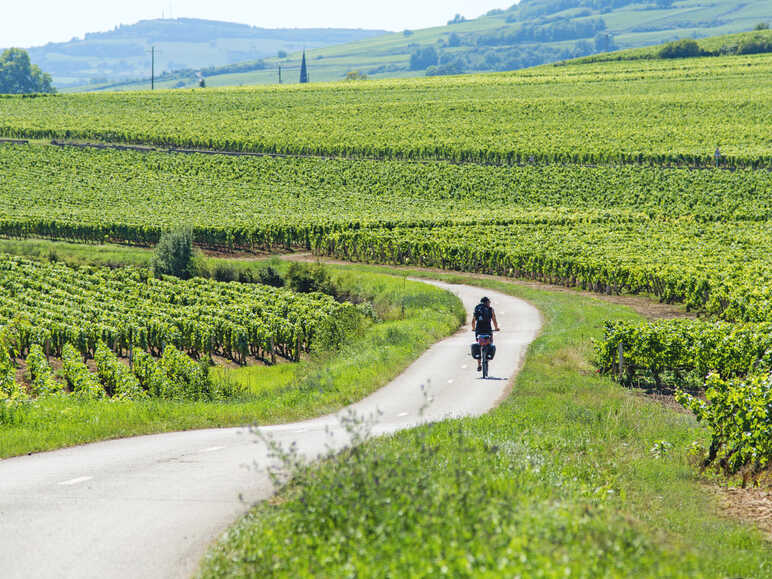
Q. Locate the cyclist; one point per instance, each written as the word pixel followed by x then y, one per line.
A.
pixel 481 322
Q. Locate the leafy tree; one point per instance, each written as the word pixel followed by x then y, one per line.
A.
pixel 754 46
pixel 282 54
pixel 174 254
pixel 423 58
pixel 447 68
pixel 19 76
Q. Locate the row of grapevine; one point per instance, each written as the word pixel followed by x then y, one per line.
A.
pixel 738 412
pixel 603 115
pixel 675 353
pixel 174 376
pixel 54 305
pixel 133 197
pixel 720 269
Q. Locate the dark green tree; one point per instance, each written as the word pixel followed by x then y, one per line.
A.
pixel 19 76
pixel 303 70
pixel 174 254
pixel 423 58
pixel 686 48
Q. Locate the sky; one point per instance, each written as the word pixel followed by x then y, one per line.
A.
pixel 36 22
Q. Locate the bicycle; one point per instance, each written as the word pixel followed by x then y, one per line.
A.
pixel 485 351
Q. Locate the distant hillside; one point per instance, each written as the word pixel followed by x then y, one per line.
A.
pixel 123 53
pixel 753 42
pixel 527 34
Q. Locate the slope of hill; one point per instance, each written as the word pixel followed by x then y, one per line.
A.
pixel 123 53
pixel 527 34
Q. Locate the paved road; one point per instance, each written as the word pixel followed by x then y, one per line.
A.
pixel 149 506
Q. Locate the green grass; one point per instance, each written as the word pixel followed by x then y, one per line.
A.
pixel 571 476
pixel 78 253
pixel 414 317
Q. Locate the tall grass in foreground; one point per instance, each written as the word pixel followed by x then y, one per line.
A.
pixel 571 476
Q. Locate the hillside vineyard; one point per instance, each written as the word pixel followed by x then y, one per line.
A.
pixel 644 177
pixel 653 112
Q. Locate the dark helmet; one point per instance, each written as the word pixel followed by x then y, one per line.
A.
pixel 485 300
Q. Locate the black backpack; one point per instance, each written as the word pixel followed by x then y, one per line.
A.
pixel 483 314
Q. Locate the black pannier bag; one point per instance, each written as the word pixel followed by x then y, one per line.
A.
pixel 491 352
pixel 476 351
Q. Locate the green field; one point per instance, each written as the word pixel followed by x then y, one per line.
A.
pixel 595 176
pixel 653 112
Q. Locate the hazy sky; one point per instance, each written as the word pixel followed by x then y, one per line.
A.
pixel 35 22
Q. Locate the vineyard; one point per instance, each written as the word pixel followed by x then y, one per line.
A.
pixel 597 176
pixel 651 112
pixel 159 326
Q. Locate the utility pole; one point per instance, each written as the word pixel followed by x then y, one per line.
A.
pixel 152 67
pixel 279 74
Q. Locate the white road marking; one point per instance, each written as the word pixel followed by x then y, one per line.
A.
pixel 465 366
pixel 451 381
pixel 213 448
pixel 75 481
pixel 402 414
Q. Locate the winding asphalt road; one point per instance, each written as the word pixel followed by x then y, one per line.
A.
pixel 149 506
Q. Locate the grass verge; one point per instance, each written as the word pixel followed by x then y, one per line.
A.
pixel 414 317
pixel 571 476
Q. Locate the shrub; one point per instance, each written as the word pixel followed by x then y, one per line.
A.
pixel 269 276
pixel 174 254
pixel 686 48
pixel 305 279
pixel 225 272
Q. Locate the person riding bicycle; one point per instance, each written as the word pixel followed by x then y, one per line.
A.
pixel 481 322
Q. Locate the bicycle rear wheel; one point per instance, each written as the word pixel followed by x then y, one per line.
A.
pixel 485 363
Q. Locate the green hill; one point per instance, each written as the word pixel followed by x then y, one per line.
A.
pixel 530 33
pixel 124 53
